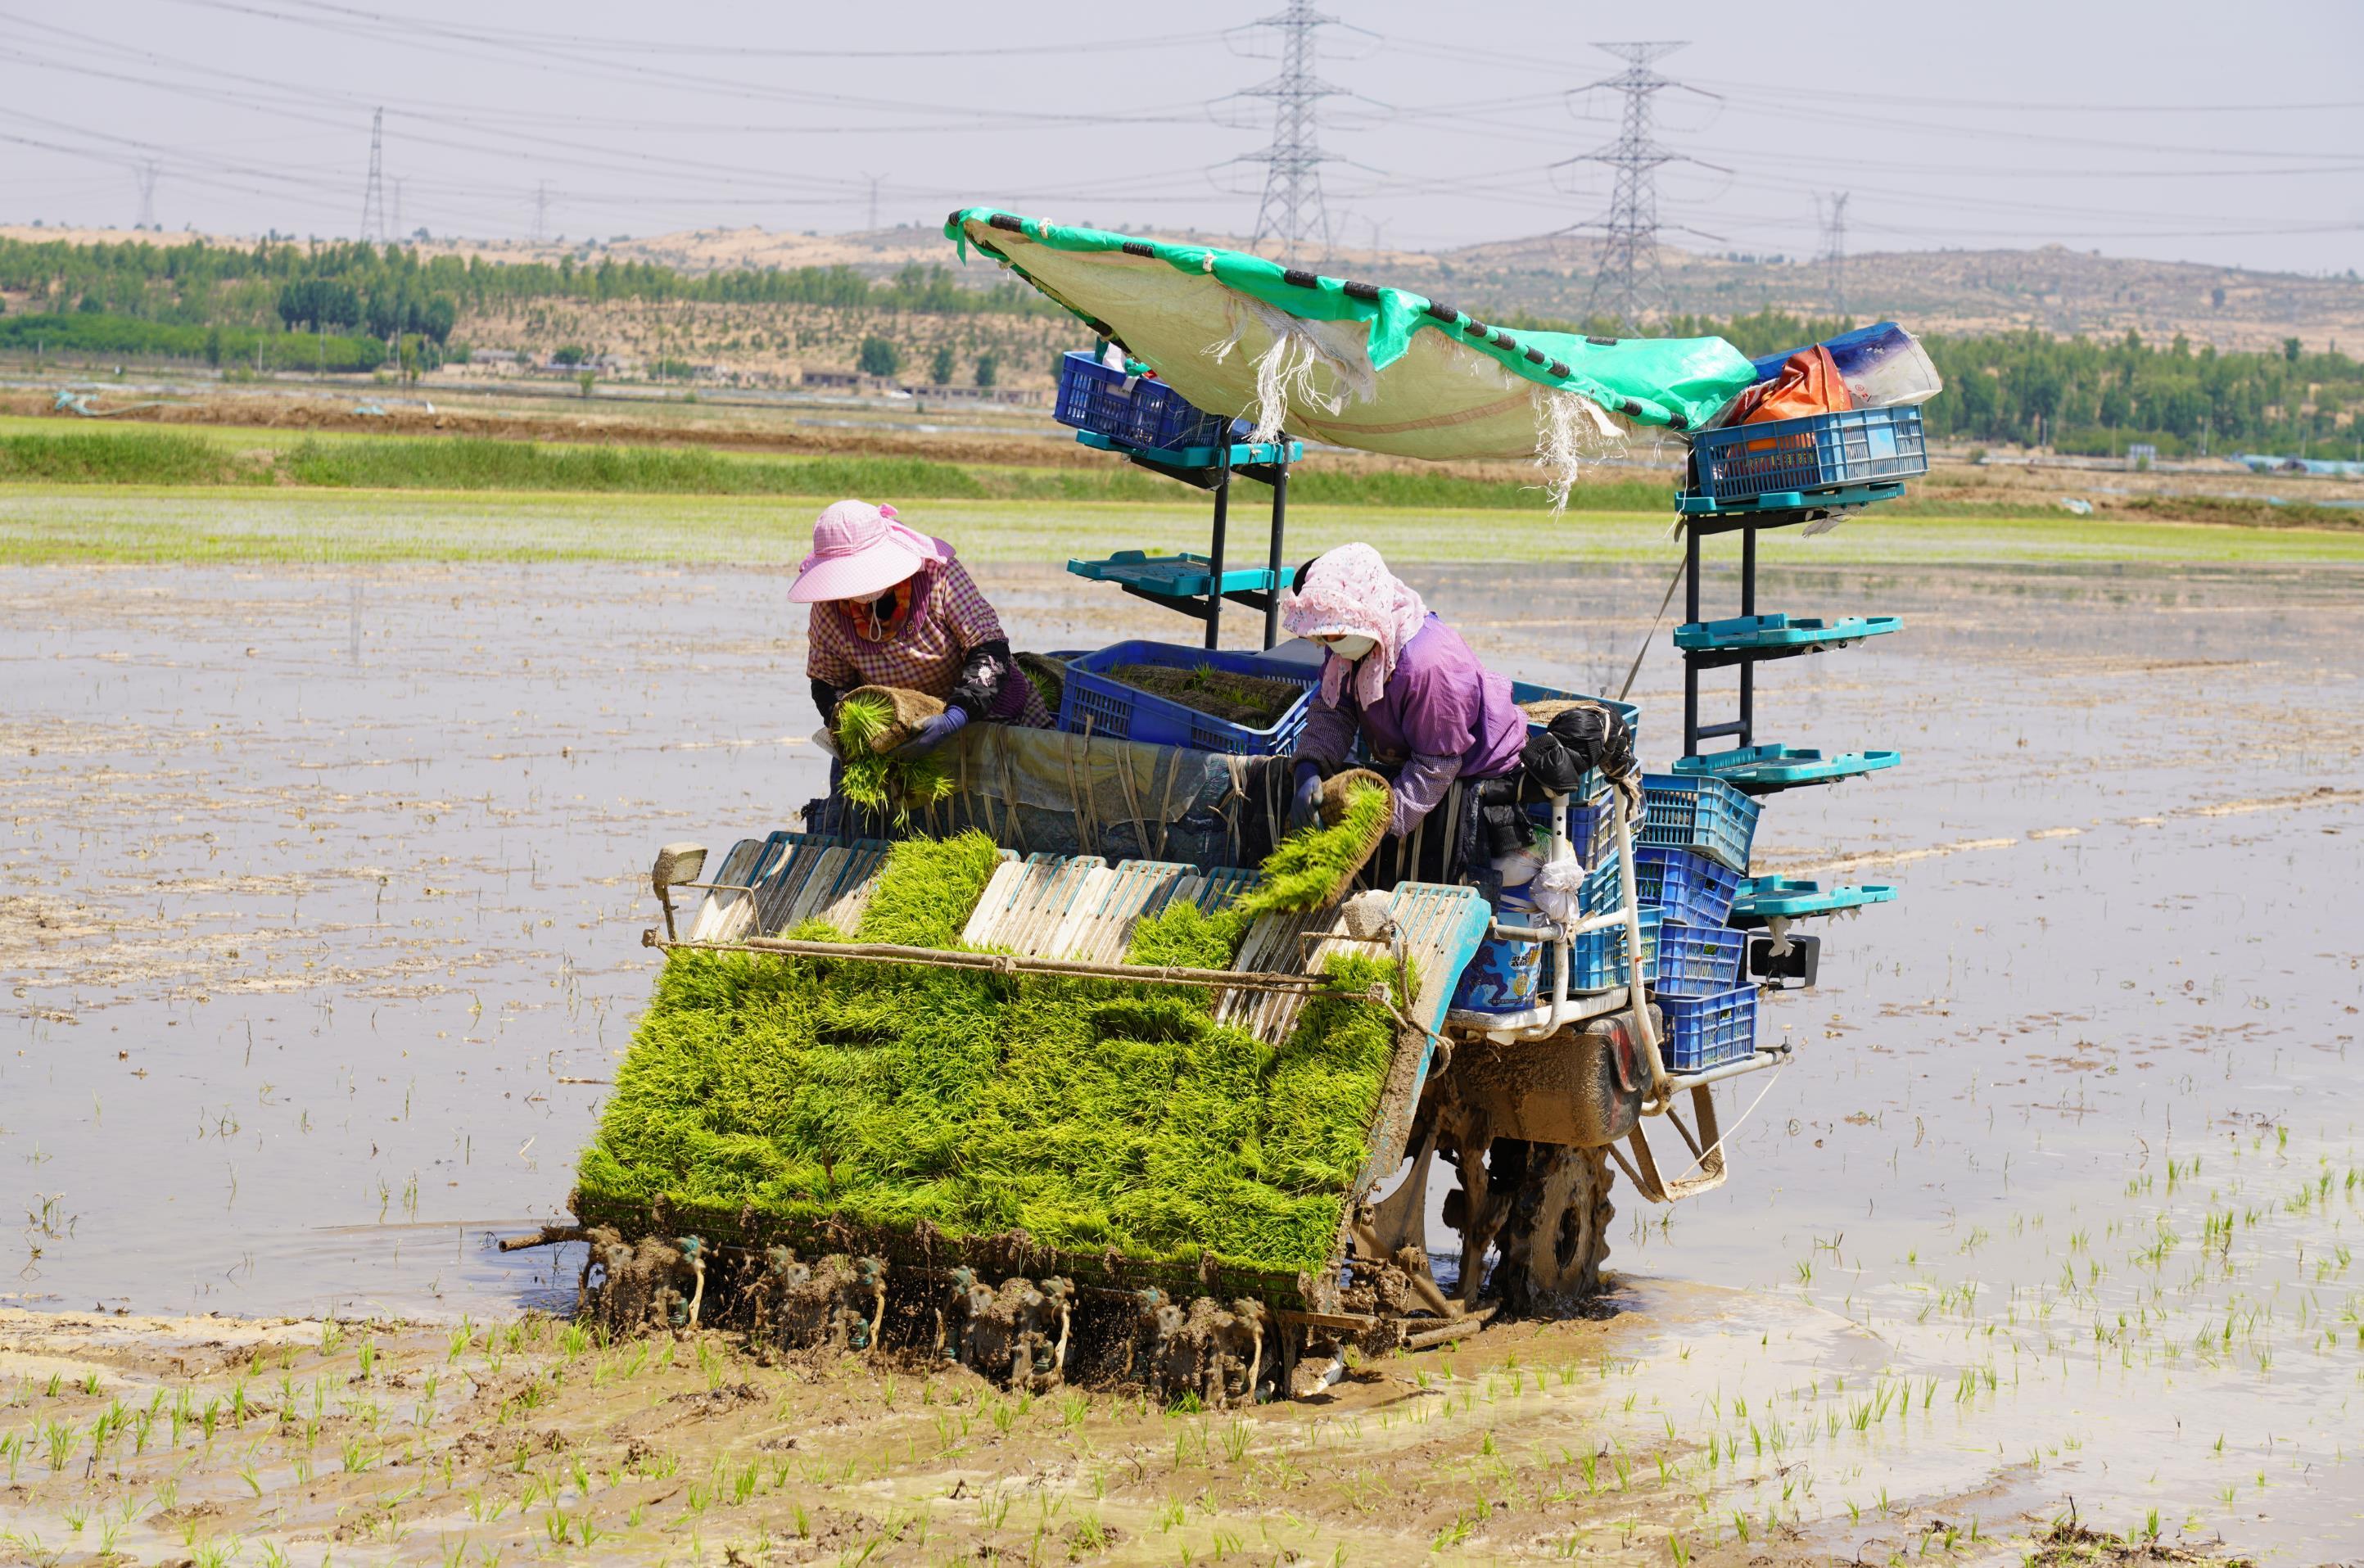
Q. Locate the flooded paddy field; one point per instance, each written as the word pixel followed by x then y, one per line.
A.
pixel 320 914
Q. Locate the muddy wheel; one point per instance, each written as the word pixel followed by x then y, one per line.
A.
pixel 1558 1236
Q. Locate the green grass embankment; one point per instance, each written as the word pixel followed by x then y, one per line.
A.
pixel 145 525
pixel 150 496
pixel 135 456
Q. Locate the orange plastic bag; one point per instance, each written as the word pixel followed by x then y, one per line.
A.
pixel 1809 383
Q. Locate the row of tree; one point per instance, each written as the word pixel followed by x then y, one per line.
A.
pixel 2084 395
pixel 323 304
pixel 884 357
pixel 2020 387
pixel 197 282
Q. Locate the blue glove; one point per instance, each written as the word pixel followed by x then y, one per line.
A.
pixel 1305 808
pixel 932 734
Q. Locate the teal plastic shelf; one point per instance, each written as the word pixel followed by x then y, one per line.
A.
pixel 1178 576
pixel 1761 770
pixel 1244 454
pixel 1743 632
pixel 1764 898
pixel 1788 501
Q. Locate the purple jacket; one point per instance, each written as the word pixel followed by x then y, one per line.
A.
pixel 1445 716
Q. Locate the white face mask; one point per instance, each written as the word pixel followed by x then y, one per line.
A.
pixel 1350 648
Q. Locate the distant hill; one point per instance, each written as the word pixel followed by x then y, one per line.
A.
pixel 2053 290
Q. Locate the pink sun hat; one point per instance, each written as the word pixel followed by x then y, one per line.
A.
pixel 860 551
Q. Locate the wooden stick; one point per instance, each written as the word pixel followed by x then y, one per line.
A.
pixel 1013 963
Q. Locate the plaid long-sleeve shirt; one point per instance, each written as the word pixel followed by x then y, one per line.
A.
pixel 949 618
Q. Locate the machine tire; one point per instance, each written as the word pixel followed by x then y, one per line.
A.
pixel 1557 1238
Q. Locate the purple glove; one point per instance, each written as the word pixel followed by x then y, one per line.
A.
pixel 1305 808
pixel 932 734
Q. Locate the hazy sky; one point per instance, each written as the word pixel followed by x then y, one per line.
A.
pixel 2230 134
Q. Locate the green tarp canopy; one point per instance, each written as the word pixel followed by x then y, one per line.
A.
pixel 1353 365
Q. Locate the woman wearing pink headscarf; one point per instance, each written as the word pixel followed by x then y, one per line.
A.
pixel 1429 711
pixel 891 607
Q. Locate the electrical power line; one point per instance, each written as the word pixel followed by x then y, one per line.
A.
pixel 1291 213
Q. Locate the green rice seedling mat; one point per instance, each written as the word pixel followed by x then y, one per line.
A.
pixel 1114 1132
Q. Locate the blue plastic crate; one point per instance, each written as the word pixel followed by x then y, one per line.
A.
pixel 1164 419
pixel 1709 1031
pixel 1600 893
pixel 1525 692
pixel 1589 829
pixel 1689 812
pixel 1092 396
pixel 1597 959
pixel 1686 884
pixel 1698 961
pixel 1818 452
pixel 1092 702
pixel 1587 825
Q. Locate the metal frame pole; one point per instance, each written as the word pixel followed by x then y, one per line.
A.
pixel 1215 552
pixel 1747 607
pixel 1690 613
pixel 1279 528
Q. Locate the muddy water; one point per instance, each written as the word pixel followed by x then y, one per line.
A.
pixel 323 894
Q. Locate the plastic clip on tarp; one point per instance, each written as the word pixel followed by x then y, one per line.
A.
pixel 1400 363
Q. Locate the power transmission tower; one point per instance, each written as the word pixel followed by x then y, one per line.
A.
pixel 374 193
pixel 1833 216
pixel 540 211
pixel 1628 282
pixel 146 174
pixel 1292 214
pixel 873 202
pixel 397 208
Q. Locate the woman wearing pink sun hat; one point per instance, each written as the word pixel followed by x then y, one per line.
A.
pixel 891 607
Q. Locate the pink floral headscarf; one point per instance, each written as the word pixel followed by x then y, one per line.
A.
pixel 1349 592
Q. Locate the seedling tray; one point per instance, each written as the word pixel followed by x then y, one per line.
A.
pixel 1761 770
pixel 1184 576
pixel 1764 898
pixel 1782 631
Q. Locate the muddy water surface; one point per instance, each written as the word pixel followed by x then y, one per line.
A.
pixel 322 898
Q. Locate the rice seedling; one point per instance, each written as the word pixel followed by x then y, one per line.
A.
pixel 1042 1105
pixel 875 781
